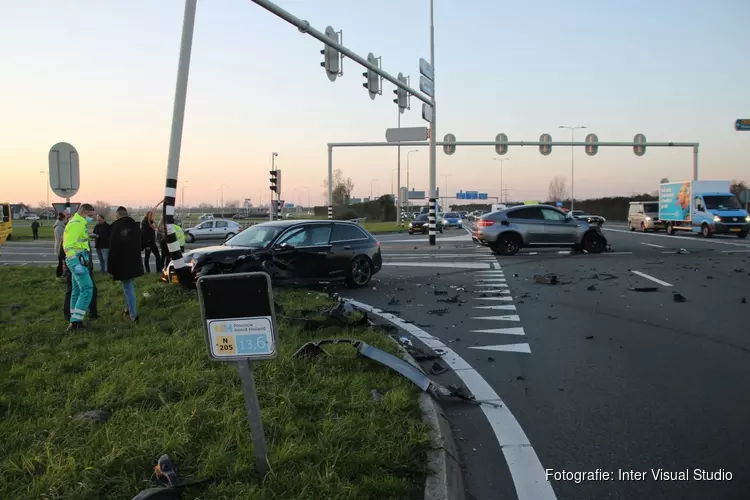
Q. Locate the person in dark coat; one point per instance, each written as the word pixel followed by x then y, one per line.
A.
pixel 148 239
pixel 102 233
pixel 93 306
pixel 35 229
pixel 125 264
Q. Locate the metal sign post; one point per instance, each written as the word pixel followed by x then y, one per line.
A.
pixel 240 325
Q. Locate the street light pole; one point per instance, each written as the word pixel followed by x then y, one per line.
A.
pixel 46 189
pixel 572 164
pixel 371 182
pixel 502 186
pixel 445 203
pixel 393 193
pixel 433 131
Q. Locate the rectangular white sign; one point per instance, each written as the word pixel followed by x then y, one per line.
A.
pixel 406 134
pixel 242 338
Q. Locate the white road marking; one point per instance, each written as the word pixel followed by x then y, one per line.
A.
pixel 491 291
pixel 563 252
pixel 461 265
pixel 490 273
pixel 505 317
pixel 506 348
pixel 508 307
pixel 487 280
pixel 525 468
pixel 516 330
pixel 689 238
pixel 427 256
pixel 735 251
pixel 649 277
pixel 490 285
pixel 494 298
pixel 652 245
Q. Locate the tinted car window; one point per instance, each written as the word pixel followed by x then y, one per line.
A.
pixel 221 223
pixel 346 232
pixel 651 208
pixel 423 217
pixel 307 236
pixel 255 237
pixel 452 215
pixel 553 215
pixel 526 213
pixel 206 225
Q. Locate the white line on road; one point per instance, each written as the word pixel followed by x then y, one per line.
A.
pixel 688 238
pixel 490 285
pixel 491 291
pixel 461 265
pixel 504 317
pixel 525 468
pixel 516 330
pixel 506 348
pixel 487 280
pixel 652 245
pixel 494 298
pixel 649 277
pixel 735 251
pixel 507 307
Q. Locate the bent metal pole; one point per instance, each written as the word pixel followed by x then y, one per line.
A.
pixel 175 138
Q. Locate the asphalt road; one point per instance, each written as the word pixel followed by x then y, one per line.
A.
pixel 597 374
pixel 605 370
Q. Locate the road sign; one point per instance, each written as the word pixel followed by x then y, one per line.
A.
pixel 402 194
pixel 60 207
pixel 483 196
pixel 592 144
pixel 545 148
pixel 501 149
pixel 472 195
pixel 559 204
pixel 427 112
pixel 238 316
pixel 64 175
pixel 449 149
pixel 417 195
pixel 426 86
pixel 289 205
pixel 237 312
pixel 742 124
pixel 406 134
pixel 425 69
pixel 639 150
pixel 461 195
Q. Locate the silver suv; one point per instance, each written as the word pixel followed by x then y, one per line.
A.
pixel 509 230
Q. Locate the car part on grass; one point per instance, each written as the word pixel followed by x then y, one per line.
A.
pixel 313 349
pixel 171 485
pixel 341 313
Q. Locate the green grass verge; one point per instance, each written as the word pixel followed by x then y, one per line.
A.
pixel 383 227
pixel 327 437
pixel 22 231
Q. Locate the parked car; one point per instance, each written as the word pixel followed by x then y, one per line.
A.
pixel 214 229
pixel 453 219
pixel 644 216
pixel 591 219
pixel 420 224
pixel 206 217
pixel 507 231
pixel 31 216
pixel 298 252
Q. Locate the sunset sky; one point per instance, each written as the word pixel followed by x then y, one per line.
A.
pixel 101 74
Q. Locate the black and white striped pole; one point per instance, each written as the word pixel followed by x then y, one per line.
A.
pixel 330 183
pixel 175 142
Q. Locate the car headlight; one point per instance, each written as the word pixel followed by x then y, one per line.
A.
pixel 648 218
pixel 717 218
pixel 747 219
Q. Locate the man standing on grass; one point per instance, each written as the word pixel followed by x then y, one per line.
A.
pixel 124 263
pixel 101 236
pixel 35 229
pixel 78 258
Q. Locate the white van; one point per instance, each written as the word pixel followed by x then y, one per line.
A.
pixel 498 206
pixel 644 216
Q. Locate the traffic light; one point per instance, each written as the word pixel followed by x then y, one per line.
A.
pixel 332 57
pixel 276 181
pixel 372 79
pixel 402 98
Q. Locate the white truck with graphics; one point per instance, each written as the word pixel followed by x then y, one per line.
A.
pixel 703 207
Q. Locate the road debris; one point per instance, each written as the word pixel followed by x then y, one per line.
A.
pixel 644 289
pixel 439 312
pixel 376 395
pixel 743 300
pixel 546 279
pixel 437 368
pixel 96 416
pixel 394 301
pixel 682 251
pixel 450 300
pixel 591 288
pixel 589 337
pixel 678 297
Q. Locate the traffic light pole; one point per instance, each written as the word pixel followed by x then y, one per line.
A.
pixel 433 134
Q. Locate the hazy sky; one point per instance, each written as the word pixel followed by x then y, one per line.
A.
pixel 101 74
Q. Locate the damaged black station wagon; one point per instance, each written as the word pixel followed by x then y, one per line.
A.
pixel 293 253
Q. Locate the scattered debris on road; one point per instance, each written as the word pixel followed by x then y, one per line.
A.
pixel 546 279
pixel 678 297
pixel 643 289
pixel 589 337
pixel 591 288
pixel 682 251
pixel 439 312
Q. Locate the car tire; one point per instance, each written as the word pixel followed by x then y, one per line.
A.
pixel 411 232
pixel 507 244
pixel 189 238
pixel 742 235
pixel 229 235
pixel 594 243
pixel 630 226
pixel 441 230
pixel 360 272
pixel 643 227
pixel 670 229
pixel 706 231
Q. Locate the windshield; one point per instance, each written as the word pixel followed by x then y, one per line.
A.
pixel 423 217
pixel 255 237
pixel 722 203
pixel 452 215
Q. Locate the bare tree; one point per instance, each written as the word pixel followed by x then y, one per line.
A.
pixel 204 205
pixel 558 189
pixel 101 207
pixel 232 204
pixel 342 188
pixel 664 180
pixel 738 187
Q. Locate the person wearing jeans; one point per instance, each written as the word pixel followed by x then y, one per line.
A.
pixel 124 263
pixel 101 237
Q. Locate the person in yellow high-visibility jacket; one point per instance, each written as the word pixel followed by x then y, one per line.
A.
pixel 180 237
pixel 77 258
